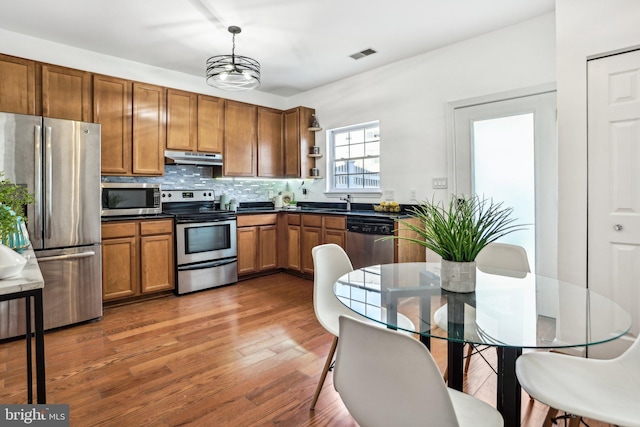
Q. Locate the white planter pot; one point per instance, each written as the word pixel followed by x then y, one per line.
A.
pixel 458 276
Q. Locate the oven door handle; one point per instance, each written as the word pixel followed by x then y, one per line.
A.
pixel 205 265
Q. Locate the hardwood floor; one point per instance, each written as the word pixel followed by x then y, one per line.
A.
pixel 249 354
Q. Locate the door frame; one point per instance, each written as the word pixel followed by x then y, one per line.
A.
pixel 547 264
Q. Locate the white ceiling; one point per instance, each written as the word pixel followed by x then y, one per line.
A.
pixel 300 44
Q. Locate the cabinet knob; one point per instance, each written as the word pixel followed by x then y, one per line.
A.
pixel 617 227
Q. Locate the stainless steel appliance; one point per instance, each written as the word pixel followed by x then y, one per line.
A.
pixel 206 241
pixel 130 199
pixel 58 161
pixel 363 246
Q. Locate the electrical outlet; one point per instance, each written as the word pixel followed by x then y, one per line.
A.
pixel 412 194
pixel 439 182
pixel 389 195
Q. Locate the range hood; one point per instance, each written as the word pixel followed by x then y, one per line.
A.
pixel 192 158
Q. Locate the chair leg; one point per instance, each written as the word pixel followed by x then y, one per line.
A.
pixel 551 414
pixel 466 363
pixel 323 376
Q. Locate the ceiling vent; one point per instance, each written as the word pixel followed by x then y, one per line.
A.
pixel 362 54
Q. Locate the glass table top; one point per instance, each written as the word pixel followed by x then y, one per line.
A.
pixel 508 309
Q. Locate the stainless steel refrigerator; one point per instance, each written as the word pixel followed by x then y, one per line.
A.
pixel 59 161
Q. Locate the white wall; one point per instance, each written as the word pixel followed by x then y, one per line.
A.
pixel 585 28
pixel 410 99
pixel 55 53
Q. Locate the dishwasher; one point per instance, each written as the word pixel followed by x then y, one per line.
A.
pixel 363 246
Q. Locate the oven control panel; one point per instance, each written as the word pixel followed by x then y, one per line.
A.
pixel 169 196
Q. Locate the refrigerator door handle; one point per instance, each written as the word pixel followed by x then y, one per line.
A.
pixel 38 176
pixel 49 180
pixel 66 256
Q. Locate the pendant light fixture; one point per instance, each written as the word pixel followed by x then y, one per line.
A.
pixel 233 72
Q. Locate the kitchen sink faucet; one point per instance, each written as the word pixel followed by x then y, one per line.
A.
pixel 347 198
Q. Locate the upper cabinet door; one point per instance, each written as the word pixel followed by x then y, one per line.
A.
pixel 270 154
pixel 66 93
pixel 149 138
pixel 297 140
pixel 17 85
pixel 240 139
pixel 112 109
pixel 182 116
pixel 210 124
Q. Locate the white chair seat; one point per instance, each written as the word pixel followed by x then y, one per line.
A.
pixel 603 390
pixel 473 412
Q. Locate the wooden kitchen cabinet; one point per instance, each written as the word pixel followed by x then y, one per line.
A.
pixel 257 243
pixel 156 256
pixel 182 120
pixel 240 139
pixel 119 260
pixel 149 137
pixel 297 140
pixel 310 236
pixel 17 85
pixel 334 230
pixel 270 143
pixel 406 251
pixel 210 124
pixel 112 107
pixel 293 242
pixel 137 258
pixel 66 93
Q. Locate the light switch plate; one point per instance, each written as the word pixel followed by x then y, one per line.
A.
pixel 439 182
pixel 389 195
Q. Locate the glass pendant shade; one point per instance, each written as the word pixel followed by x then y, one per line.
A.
pixel 233 72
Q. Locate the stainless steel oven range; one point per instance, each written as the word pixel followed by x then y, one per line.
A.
pixel 206 242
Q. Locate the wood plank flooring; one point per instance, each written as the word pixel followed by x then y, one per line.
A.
pixel 249 354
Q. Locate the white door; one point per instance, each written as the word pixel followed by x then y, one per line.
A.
pixel 506 151
pixel 613 259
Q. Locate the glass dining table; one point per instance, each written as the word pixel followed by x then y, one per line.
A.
pixel 509 310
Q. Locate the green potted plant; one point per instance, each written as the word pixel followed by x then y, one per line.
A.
pixel 458 232
pixel 13 199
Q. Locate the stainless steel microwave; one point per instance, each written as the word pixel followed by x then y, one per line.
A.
pixel 130 199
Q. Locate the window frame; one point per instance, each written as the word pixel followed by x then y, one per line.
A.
pixel 330 164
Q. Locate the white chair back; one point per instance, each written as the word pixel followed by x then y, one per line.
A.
pixel 389 379
pixel 330 262
pixel 496 257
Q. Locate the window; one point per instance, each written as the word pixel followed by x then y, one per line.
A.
pixel 354 164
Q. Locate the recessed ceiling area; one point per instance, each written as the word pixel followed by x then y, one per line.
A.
pixel 300 44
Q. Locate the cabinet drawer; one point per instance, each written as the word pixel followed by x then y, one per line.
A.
pixel 312 220
pixel 293 219
pixel 335 222
pixel 156 227
pixel 253 220
pixel 114 230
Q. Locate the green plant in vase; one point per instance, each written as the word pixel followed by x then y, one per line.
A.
pixel 13 199
pixel 458 232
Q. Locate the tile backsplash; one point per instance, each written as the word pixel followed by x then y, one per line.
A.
pixel 187 177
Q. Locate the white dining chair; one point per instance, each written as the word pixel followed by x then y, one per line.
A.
pixel 603 390
pixel 387 379
pixel 495 258
pixel 330 262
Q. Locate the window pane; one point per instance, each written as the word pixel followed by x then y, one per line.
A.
pixel 356 137
pixel 372 180
pixel 372 134
pixel 357 150
pixel 341 138
pixel 372 165
pixel 342 152
pixel 372 149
